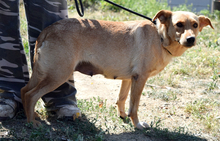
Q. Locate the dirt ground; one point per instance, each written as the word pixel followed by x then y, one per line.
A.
pixel 171 112
pixel 98 86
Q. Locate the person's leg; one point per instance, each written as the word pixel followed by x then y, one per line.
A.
pixel 13 65
pixel 40 14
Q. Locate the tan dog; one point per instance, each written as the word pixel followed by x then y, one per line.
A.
pixel 130 51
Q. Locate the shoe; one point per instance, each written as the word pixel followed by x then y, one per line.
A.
pixel 69 112
pixel 8 109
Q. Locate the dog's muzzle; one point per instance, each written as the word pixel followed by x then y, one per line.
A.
pixel 190 41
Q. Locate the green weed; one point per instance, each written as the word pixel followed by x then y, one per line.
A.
pixel 205 111
pixel 215 79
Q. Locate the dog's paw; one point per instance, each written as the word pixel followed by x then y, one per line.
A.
pixel 36 115
pixel 125 119
pixel 36 124
pixel 142 125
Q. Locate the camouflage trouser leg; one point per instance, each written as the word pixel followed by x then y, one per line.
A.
pixel 13 65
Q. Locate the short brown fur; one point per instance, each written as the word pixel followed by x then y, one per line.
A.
pixel 130 51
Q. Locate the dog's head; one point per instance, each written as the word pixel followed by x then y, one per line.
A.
pixel 180 27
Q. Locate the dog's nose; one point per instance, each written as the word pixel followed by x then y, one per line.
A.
pixel 190 39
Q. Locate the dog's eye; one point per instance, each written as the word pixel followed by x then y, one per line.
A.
pixel 179 25
pixel 195 25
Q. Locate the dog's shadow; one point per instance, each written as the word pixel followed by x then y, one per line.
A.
pixel 82 129
pixel 51 129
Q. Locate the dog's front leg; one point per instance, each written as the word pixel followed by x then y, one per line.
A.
pixel 137 85
pixel 125 87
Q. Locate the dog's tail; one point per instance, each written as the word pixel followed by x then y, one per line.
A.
pixel 39 42
pixel 34 80
pixel 41 38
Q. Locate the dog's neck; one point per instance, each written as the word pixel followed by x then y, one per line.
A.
pixel 165 47
pixel 168 51
pixel 174 49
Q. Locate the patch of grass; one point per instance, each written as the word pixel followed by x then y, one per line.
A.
pixel 23 30
pixel 215 79
pixel 165 95
pixel 206 111
pixel 26 46
pixel 80 129
pixel 94 4
pixel 180 134
pixel 145 7
pixel 104 115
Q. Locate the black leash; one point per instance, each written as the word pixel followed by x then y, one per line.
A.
pixel 130 11
pixel 81 13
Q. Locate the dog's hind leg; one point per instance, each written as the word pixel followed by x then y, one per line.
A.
pixel 125 87
pixel 34 80
pixel 42 82
pixel 31 98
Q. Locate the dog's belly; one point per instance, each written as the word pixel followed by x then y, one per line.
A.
pixel 90 69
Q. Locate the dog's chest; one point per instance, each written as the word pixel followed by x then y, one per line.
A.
pixel 155 72
pixel 158 68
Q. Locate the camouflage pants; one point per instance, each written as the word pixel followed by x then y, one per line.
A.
pixel 13 65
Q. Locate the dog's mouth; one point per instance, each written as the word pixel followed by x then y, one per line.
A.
pixel 189 45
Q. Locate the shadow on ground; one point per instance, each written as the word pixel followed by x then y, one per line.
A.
pixel 82 129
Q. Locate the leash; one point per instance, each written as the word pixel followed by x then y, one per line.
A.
pixel 154 22
pixel 130 11
pixel 81 13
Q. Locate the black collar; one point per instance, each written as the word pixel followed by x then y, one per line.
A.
pixel 166 48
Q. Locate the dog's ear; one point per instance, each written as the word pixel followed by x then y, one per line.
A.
pixel 163 16
pixel 204 21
